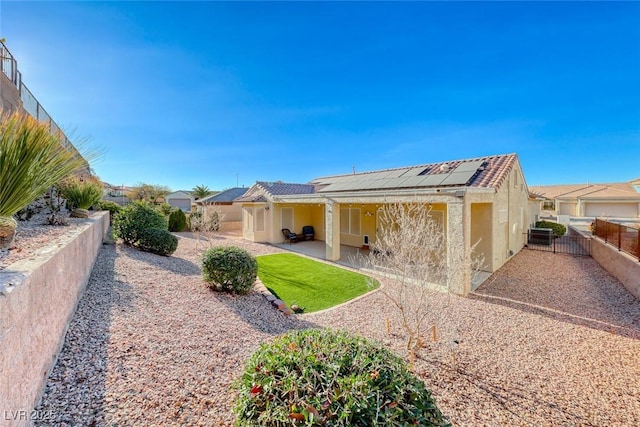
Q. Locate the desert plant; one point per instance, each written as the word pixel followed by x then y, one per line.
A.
pixel 558 229
pixel 326 377
pixel 135 217
pixel 195 221
pixel 81 194
pixel 410 250
pixel 32 158
pixel 229 269
pixel 157 241
pixel 177 220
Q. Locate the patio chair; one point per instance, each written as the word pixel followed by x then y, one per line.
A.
pixel 307 232
pixel 291 237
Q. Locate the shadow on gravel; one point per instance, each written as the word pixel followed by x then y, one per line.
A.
pixel 173 264
pixel 74 393
pixel 260 315
pixel 534 282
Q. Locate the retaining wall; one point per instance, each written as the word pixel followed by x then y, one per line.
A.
pixel 38 298
pixel 624 267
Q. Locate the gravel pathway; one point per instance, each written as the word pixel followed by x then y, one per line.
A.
pixel 151 345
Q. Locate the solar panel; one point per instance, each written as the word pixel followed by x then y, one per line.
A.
pixel 458 178
pixel 469 166
pixel 433 180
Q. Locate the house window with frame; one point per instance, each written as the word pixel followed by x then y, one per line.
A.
pixel 350 221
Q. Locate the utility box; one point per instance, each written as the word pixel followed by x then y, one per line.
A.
pixel 540 236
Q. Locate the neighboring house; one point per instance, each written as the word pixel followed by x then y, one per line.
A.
pixel 617 200
pixel 116 193
pixel 483 200
pixel 223 203
pixel 180 199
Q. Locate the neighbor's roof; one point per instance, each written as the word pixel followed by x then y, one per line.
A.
pixel 225 196
pixel 618 190
pixel 280 188
pixel 485 172
pixel 261 189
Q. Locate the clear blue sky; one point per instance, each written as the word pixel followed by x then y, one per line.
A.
pixel 210 93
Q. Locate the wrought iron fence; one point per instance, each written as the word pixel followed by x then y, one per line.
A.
pixel 571 245
pixel 9 67
pixel 625 238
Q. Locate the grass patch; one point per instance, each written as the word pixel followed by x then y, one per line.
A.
pixel 310 284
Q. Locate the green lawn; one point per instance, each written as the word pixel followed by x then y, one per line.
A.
pixel 310 284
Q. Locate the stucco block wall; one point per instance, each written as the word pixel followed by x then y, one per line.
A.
pixel 9 95
pixel 624 267
pixel 38 297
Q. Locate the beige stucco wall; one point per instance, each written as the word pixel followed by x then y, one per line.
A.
pixel 9 95
pixel 624 267
pixel 38 297
pixel 511 217
pixel 228 213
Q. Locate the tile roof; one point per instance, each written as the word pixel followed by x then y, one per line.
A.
pixel 485 172
pixel 621 190
pixel 255 198
pixel 225 196
pixel 280 188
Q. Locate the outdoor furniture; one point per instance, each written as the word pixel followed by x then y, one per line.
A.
pixel 291 237
pixel 308 233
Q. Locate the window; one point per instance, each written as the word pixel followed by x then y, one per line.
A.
pixel 350 221
pixel 248 218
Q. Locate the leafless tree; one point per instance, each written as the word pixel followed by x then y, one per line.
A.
pixel 206 222
pixel 410 253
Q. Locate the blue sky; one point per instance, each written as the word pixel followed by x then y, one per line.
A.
pixel 212 93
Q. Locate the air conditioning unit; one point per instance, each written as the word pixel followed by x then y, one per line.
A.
pixel 540 236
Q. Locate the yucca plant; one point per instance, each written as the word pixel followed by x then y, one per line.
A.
pixel 32 159
pixel 81 194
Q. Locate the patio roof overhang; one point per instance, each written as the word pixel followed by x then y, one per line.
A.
pixel 429 195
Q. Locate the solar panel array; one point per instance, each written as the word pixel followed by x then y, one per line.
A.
pixel 420 176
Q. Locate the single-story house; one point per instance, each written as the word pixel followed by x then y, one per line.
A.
pixel 482 200
pixel 616 200
pixel 180 199
pixel 223 203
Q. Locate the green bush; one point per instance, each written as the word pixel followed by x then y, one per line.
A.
pixel 558 229
pixel 107 205
pixel 330 378
pixel 177 221
pixel 164 208
pixel 157 241
pixel 135 217
pixel 229 269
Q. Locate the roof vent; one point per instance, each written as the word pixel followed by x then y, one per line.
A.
pixel 444 167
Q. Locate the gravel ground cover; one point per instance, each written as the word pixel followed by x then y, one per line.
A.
pixel 32 235
pixel 548 340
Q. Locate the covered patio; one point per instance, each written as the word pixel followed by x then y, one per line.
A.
pixel 317 249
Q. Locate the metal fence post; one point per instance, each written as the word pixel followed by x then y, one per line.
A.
pixel 619 236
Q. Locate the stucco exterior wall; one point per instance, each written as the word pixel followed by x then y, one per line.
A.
pixel 228 213
pixel 624 267
pixel 38 297
pixel 512 216
pixel 9 95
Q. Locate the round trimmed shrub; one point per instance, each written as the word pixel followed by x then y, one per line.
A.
pixel 177 220
pixel 558 229
pixel 330 378
pixel 229 269
pixel 135 217
pixel 157 241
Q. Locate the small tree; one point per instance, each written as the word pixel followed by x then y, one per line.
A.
pixel 410 251
pixel 148 192
pixel 206 223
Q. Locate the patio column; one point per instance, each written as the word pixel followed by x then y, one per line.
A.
pixel 332 226
pixel 457 259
